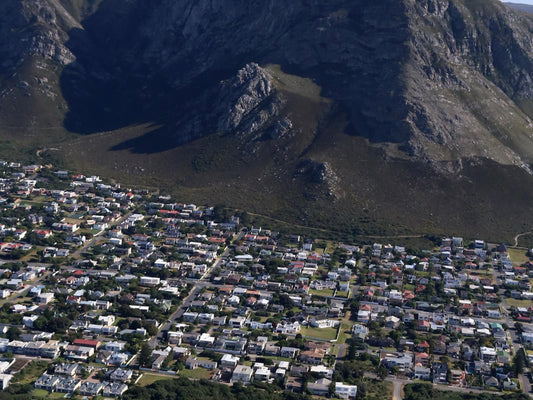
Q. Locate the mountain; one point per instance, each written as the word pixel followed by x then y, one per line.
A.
pixel 522 7
pixel 371 117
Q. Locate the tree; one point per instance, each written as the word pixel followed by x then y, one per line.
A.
pixel 152 330
pixel 519 362
pixel 168 360
pixel 352 350
pixel 13 333
pixel 145 356
pixel 382 373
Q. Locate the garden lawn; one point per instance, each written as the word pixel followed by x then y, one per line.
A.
pixel 148 379
pixel 518 256
pixel 30 372
pixel 324 333
pixel 518 302
pixel 324 292
pixel 198 373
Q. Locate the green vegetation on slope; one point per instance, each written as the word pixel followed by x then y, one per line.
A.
pixel 424 391
pixel 184 388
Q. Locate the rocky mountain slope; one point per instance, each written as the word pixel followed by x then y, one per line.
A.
pixel 521 7
pixel 285 88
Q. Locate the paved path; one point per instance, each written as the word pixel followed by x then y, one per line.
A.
pixel 25 291
pixel 397 390
pixel 525 385
pixel 198 286
pixel 518 237
pixel 98 237
pixel 398 384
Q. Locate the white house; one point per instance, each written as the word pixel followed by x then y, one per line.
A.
pixel 345 391
pixel 323 323
pixel 242 373
pixel 262 374
pixel 422 373
pixel 149 281
pixel 229 361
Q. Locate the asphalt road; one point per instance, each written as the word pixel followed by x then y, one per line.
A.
pixel 25 291
pixel 98 238
pixel 397 390
pixel 525 385
pixel 198 286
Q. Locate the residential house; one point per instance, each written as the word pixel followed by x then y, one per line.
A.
pixel 89 388
pixel 262 374
pixel 47 382
pixel 242 373
pixel 193 363
pixel 114 389
pixel 458 377
pixel 289 352
pixel 66 369
pixel 345 391
pixel 67 385
pixel 121 375
pixel 320 387
pixel 423 373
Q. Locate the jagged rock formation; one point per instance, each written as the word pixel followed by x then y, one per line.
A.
pixel 322 176
pixel 34 28
pixel 248 101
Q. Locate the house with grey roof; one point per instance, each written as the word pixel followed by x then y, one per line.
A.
pixel 114 389
pixel 89 388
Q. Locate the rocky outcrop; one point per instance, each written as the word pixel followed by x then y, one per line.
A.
pixel 248 101
pixel 320 177
pixel 280 128
pixel 33 28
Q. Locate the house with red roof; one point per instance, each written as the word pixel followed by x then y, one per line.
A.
pixel 422 359
pixel 423 326
pixel 87 343
pixel 42 233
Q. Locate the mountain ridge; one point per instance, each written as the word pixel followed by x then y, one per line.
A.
pixel 112 78
pixel 521 7
pixel 281 97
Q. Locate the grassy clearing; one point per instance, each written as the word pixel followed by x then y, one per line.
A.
pixel 31 372
pixel 518 303
pixel 345 333
pixel 148 379
pixel 76 216
pixel 32 203
pixel 198 373
pixel 324 333
pixel 40 394
pixel 324 292
pixel 43 394
pixel 31 254
pixel 69 220
pixel 518 256
pixel 379 390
